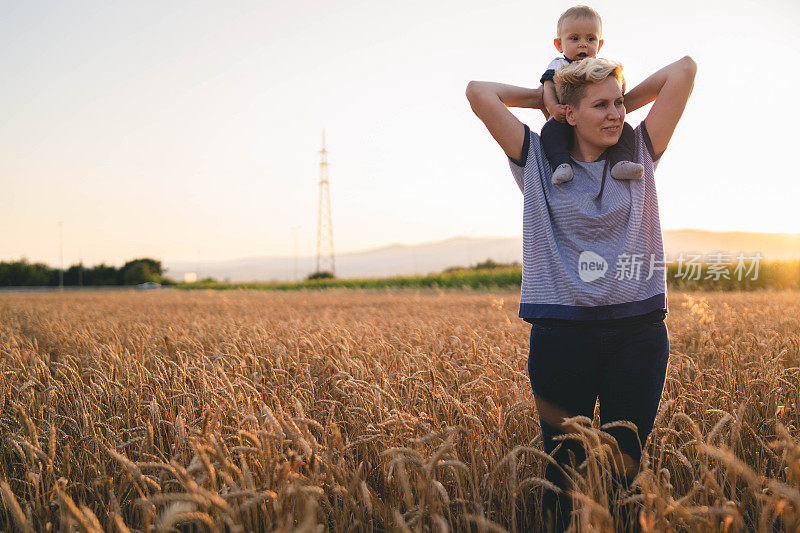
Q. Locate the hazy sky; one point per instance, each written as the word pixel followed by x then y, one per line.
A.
pixel 186 130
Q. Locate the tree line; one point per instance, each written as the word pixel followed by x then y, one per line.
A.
pixel 134 272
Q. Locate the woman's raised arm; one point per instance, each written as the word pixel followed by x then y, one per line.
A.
pixel 490 101
pixel 670 87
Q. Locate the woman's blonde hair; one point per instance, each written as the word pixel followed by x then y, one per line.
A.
pixel 571 80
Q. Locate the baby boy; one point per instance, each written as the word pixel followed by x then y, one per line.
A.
pixel 579 30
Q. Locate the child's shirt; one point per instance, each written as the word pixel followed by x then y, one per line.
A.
pixel 554 65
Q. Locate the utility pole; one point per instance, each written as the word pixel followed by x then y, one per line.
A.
pixel 295 229
pixel 61 255
pixel 469 247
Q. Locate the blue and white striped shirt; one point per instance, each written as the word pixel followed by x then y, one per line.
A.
pixel 592 247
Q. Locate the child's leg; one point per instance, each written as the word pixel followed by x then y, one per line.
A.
pixel 620 156
pixel 556 141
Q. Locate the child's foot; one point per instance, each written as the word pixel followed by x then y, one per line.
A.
pixel 627 170
pixel 562 173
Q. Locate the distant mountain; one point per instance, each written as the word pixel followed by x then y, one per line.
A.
pixel 424 258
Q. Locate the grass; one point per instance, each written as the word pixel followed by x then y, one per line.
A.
pixel 361 410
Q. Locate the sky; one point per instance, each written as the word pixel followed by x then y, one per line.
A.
pixel 191 130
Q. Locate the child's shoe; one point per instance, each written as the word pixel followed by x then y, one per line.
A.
pixel 627 170
pixel 562 174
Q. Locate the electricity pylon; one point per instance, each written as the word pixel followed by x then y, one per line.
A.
pixel 325 261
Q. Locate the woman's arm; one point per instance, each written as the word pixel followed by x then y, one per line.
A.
pixel 490 101
pixel 670 87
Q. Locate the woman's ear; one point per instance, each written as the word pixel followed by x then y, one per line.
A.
pixel 569 113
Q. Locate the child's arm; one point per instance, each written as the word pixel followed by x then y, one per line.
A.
pixel 551 104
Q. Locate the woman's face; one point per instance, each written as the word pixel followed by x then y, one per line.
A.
pixel 599 115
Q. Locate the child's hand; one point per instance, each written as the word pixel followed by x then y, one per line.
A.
pixel 559 112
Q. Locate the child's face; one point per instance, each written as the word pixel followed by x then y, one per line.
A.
pixel 580 38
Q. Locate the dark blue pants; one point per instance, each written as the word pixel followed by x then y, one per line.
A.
pixel 557 139
pixel 570 366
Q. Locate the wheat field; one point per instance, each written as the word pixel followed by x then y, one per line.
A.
pixel 370 411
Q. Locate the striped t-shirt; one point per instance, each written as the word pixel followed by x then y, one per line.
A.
pixel 592 247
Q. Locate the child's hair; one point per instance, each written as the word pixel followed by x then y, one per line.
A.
pixel 571 80
pixel 578 12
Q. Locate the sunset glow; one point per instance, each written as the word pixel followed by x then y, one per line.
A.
pixel 190 131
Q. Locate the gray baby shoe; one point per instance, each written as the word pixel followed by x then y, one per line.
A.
pixel 627 170
pixel 562 174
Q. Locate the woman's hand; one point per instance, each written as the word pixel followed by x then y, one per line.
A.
pixel 490 101
pixel 670 87
pixel 559 112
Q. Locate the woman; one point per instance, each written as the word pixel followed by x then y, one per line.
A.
pixel 594 277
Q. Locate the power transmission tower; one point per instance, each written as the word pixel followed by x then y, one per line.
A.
pixel 325 261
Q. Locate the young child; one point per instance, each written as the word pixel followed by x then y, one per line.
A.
pixel 579 30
